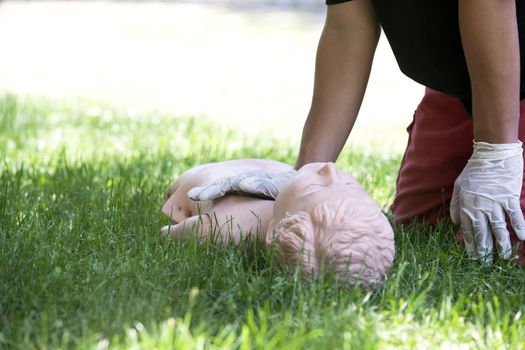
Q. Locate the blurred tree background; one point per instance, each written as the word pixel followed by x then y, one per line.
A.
pixel 249 64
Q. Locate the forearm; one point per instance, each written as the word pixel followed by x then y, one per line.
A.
pixel 490 40
pixel 343 64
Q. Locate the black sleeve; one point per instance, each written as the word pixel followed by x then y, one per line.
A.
pixel 333 2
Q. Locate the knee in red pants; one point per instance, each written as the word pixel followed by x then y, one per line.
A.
pixel 439 146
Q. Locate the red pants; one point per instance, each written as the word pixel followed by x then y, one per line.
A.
pixel 439 146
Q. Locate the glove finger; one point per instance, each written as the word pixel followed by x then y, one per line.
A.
pixel 487 254
pixel 515 214
pixel 482 234
pixel 454 204
pixel 194 193
pixel 499 229
pixel 211 192
pixel 234 181
pixel 482 238
pixel 284 178
pixel 468 238
pixel 259 186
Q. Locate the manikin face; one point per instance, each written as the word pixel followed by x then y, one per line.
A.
pixel 317 183
pixel 324 216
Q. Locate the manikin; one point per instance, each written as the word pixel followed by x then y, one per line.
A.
pixel 321 217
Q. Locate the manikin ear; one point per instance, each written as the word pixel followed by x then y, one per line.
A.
pixel 293 239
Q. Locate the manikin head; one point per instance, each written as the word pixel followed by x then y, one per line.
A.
pixel 324 217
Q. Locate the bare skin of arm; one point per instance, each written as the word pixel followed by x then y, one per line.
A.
pixel 344 59
pixel 489 33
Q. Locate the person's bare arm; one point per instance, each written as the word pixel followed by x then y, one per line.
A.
pixel 488 189
pixel 343 63
pixel 489 34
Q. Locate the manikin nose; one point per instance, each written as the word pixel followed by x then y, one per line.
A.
pixel 329 171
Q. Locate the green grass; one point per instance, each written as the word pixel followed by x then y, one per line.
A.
pixel 82 264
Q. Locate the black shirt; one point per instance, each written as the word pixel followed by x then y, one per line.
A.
pixel 424 36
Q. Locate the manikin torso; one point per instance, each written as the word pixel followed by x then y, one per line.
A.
pixel 231 216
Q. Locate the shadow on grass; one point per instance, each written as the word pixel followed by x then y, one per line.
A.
pixel 82 260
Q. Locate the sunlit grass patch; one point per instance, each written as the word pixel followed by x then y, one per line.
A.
pixel 82 263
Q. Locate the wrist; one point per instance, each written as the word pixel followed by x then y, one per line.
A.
pixel 496 138
pixel 315 154
pixel 496 151
pixel 496 130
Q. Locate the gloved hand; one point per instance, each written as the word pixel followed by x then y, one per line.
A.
pixel 258 183
pixel 487 189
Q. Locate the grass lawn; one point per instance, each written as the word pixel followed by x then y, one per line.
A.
pixel 82 264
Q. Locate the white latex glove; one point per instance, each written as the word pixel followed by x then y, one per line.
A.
pixel 486 191
pixel 259 183
pixel 267 185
